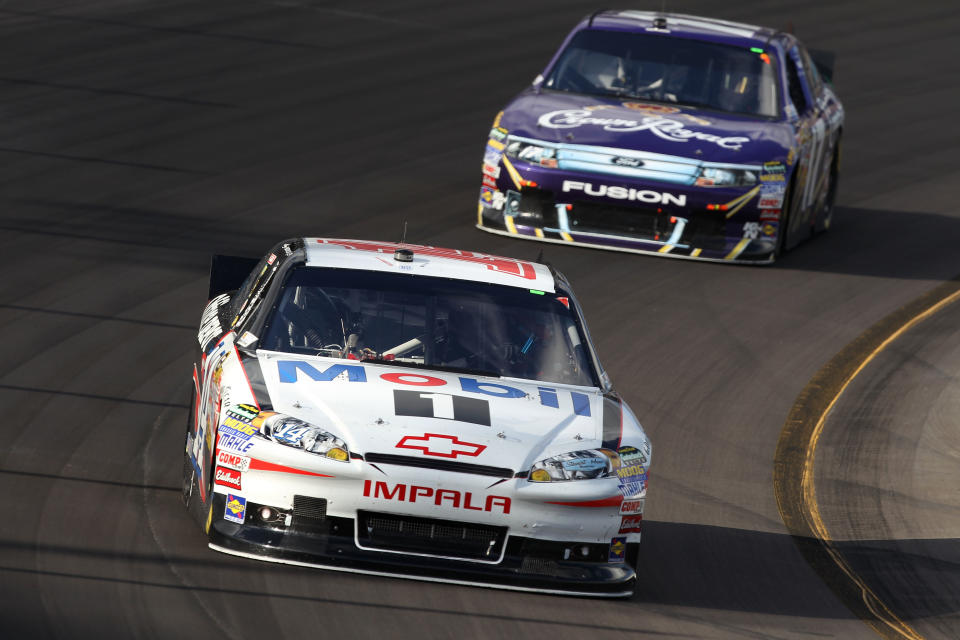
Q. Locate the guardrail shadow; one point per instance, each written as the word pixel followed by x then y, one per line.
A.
pixel 882 243
pixel 734 569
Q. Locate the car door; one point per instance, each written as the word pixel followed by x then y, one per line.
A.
pixel 810 131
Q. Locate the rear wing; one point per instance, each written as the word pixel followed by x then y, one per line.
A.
pixel 227 273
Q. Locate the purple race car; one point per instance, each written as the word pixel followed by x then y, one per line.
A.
pixel 670 134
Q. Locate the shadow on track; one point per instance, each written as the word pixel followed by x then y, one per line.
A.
pixel 883 244
pixel 733 569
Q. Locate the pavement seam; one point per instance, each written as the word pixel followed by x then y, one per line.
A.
pixel 793 472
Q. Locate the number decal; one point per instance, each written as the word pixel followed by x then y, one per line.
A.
pixel 444 406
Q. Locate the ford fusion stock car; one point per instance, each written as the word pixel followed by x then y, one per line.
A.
pixel 412 411
pixel 668 134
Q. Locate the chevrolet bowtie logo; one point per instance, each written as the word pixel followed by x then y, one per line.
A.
pixel 435 444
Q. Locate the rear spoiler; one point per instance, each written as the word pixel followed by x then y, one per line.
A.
pixel 227 273
pixel 823 61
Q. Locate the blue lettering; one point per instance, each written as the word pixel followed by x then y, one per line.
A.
pixel 548 397
pixel 490 389
pixel 288 371
pixel 581 403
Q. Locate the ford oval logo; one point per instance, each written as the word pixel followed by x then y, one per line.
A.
pixel 623 161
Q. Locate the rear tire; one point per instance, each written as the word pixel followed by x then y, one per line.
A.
pixel 826 216
pixel 783 228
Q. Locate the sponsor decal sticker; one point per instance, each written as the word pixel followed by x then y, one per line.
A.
pixel 632 474
pixel 751 230
pixel 441 446
pixel 290 371
pixel 498 133
pixel 618 550
pixel 210 327
pixel 232 460
pixel 492 156
pixel 660 126
pixel 631 507
pixel 631 454
pixel 624 193
pixel 772 177
pixel 630 524
pixel 236 508
pixel 772 188
pixel 441 405
pixel 451 498
pixel 769 228
pixel 489 182
pixel 228 477
pixel 586 463
pixel 491 170
pixel 770 202
pixel 770 215
pixel 246 412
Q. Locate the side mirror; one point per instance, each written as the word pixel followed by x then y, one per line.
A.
pixel 227 273
pixel 824 61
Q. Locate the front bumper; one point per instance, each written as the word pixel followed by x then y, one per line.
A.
pixel 535 203
pixel 332 542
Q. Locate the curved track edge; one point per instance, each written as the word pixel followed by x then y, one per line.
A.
pixel 796 450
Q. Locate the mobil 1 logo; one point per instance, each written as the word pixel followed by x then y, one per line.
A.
pixel 427 404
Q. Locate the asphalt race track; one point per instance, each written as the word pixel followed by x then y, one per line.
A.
pixel 138 137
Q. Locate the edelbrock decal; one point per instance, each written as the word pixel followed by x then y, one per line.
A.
pixel 663 128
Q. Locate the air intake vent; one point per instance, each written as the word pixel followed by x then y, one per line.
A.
pixel 441 465
pixel 430 537
pixel 309 507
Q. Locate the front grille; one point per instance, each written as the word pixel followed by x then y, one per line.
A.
pixel 429 536
pixel 442 465
pixel 643 223
pixel 309 507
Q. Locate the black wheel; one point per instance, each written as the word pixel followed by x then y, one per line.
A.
pixel 826 215
pixel 783 230
pixel 189 477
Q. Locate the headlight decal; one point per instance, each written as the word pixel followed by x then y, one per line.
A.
pixel 296 433
pixel 576 465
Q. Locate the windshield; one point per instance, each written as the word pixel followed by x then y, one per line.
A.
pixel 665 69
pixel 429 322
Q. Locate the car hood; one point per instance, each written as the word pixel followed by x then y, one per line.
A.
pixel 442 416
pixel 699 134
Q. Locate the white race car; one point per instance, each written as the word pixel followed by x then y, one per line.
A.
pixel 414 412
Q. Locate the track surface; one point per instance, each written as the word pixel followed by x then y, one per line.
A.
pixel 139 136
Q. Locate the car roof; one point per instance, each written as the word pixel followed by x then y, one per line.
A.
pixel 682 25
pixel 428 261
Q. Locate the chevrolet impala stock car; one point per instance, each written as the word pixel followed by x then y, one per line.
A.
pixel 668 134
pixel 412 411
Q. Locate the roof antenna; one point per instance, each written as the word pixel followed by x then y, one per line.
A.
pixel 402 254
